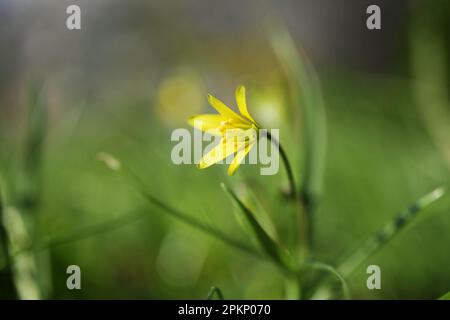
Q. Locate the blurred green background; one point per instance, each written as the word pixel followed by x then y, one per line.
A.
pixel 136 70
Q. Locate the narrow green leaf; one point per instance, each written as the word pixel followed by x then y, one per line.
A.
pixel 217 291
pixel 430 76
pixel 373 244
pixel 445 296
pixel 307 95
pixel 330 269
pixel 67 237
pixel 29 184
pixel 270 247
pixel 140 187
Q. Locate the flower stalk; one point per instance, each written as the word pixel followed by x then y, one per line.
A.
pixel 303 221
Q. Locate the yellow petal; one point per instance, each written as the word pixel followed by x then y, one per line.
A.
pixel 223 109
pixel 209 123
pixel 242 103
pixel 222 150
pixel 238 158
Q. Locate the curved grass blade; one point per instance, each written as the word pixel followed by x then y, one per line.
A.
pixel 52 242
pixel 330 269
pixel 429 65
pixel 28 189
pixel 91 231
pixel 382 237
pixel 270 247
pixel 217 291
pixel 445 296
pixel 307 92
pixel 140 187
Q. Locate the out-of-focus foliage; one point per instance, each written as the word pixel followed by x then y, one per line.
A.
pixel 136 71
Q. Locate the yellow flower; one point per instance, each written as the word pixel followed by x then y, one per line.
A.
pixel 239 132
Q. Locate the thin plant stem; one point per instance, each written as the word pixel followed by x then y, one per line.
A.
pixel 301 212
pixel 307 96
pixel 287 165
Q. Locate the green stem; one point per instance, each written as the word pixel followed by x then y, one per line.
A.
pixel 287 165
pixel 304 219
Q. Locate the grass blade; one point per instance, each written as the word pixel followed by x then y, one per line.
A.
pixel 217 291
pixel 330 269
pixel 67 237
pixel 270 247
pixel 445 296
pixel 373 244
pixel 140 187
pixel 429 65
pixel 307 93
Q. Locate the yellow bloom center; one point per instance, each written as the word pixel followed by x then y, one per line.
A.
pixel 239 131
